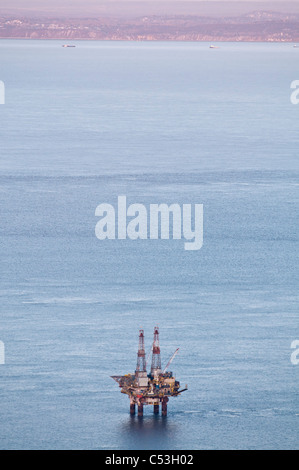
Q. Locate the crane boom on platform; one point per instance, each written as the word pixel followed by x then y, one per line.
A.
pixel 170 360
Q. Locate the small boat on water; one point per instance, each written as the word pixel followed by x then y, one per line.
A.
pixel 214 47
pixel 68 45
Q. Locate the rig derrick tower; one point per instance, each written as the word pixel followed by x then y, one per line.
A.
pixel 156 357
pixel 141 364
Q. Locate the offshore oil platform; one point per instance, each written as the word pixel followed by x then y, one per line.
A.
pixel 153 388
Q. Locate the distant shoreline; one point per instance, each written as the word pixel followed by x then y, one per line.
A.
pixel 149 40
pixel 256 26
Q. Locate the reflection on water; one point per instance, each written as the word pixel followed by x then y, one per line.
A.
pixel 148 433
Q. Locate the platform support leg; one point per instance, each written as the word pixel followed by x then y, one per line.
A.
pixel 132 409
pixel 156 409
pixel 140 409
pixel 164 407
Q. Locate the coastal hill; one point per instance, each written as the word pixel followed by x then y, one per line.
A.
pixel 270 26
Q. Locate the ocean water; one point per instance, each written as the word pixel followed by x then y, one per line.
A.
pixel 157 122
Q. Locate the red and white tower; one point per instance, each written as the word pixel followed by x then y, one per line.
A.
pixel 141 362
pixel 156 358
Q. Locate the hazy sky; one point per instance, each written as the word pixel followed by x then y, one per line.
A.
pixel 140 7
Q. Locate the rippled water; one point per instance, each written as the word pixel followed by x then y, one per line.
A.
pixel 157 122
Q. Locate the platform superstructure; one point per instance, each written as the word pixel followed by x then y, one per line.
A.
pixel 154 388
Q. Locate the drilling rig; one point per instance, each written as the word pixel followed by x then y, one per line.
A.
pixel 154 388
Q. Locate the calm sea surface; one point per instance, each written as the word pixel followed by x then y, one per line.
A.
pixel 157 122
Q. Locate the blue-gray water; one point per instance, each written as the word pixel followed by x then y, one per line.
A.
pixel 158 122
